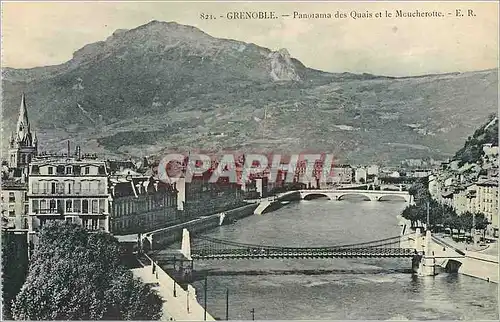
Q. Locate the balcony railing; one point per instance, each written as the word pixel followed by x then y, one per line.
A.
pixel 60 212
pixel 81 192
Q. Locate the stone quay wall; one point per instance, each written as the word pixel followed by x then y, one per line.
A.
pixel 174 233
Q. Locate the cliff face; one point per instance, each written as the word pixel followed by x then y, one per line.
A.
pixel 282 67
pixel 164 86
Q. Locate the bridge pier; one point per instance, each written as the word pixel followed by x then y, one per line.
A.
pixel 424 262
pixel 185 268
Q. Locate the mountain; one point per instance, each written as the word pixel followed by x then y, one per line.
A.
pixel 472 151
pixel 165 86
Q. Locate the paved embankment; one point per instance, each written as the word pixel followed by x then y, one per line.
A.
pixel 472 263
pixel 479 264
pixel 178 304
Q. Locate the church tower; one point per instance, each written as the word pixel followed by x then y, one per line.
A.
pixel 22 144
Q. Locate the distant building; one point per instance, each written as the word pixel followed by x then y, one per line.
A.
pixel 360 175
pixel 490 150
pixel 341 174
pixel 68 189
pixel 373 170
pixel 14 205
pixel 465 199
pixel 421 173
pixel 394 174
pixel 201 197
pixel 116 167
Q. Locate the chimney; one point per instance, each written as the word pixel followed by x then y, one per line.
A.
pixel 69 151
pixel 78 152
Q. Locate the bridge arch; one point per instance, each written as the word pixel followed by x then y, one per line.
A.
pixel 452 266
pixel 315 195
pixel 391 197
pixel 365 196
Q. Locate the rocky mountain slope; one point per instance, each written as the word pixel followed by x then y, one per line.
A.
pixel 165 86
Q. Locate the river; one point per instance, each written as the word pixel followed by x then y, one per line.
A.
pixel 334 289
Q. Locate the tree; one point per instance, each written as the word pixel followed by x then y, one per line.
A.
pixel 419 192
pixel 76 275
pixel 14 268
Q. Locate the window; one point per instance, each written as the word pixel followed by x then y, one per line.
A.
pixel 69 220
pixel 60 187
pixel 87 170
pixel 23 158
pixel 95 209
pixel 69 206
pixel 69 187
pixel 43 206
pixel 102 206
pixel 34 206
pixel 77 205
pixel 50 170
pixel 26 209
pixel 69 170
pixel 12 213
pixel 85 206
pixel 78 187
pixel 52 187
pixel 52 205
pixel 12 197
pixel 94 224
pixel 85 186
pixel 60 206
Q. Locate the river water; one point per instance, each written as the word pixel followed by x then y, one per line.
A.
pixel 378 289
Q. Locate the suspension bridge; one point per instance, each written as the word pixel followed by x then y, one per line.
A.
pixel 208 248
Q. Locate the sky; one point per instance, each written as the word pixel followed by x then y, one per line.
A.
pixel 47 33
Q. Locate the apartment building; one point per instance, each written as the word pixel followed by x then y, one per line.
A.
pixel 73 189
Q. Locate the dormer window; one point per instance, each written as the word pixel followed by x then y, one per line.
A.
pixel 87 170
pixel 69 170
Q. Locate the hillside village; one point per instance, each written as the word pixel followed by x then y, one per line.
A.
pixel 469 182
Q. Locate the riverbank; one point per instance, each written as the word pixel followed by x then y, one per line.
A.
pixel 178 304
pixel 462 258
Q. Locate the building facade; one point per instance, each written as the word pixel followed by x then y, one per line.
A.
pixel 200 197
pixel 341 174
pixel 68 189
pixel 14 205
pixel 360 175
pixel 487 203
pixel 141 204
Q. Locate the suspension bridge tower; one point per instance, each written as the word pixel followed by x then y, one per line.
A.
pixel 424 263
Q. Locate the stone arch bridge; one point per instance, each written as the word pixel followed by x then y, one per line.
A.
pixel 372 195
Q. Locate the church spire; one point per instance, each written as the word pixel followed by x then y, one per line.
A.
pixel 23 125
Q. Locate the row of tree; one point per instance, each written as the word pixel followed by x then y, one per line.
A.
pixel 77 275
pixel 440 215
